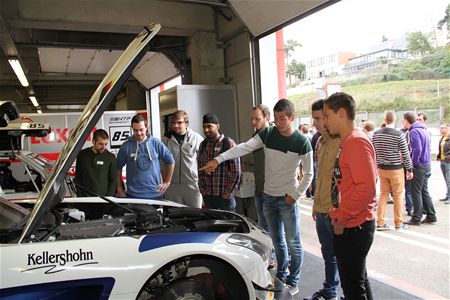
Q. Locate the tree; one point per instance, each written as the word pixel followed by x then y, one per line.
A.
pixel 297 69
pixel 418 43
pixel 445 21
pixel 289 47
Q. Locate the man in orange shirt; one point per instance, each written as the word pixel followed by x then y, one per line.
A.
pixel 353 195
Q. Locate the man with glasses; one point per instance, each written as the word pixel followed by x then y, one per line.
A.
pixel 183 143
pixel 142 153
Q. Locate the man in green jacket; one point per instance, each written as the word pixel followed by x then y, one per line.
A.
pixel 95 173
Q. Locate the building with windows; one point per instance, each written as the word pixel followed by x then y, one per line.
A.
pixel 384 53
pixel 327 65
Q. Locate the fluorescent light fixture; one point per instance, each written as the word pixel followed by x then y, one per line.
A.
pixel 65 107
pixel 39 111
pixel 34 101
pixel 15 64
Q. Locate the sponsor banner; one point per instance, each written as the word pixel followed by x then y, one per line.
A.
pixel 116 123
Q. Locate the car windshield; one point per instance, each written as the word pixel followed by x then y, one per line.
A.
pixel 11 215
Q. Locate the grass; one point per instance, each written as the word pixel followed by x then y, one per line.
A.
pixel 391 95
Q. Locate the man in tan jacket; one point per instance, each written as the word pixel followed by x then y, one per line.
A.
pixel 326 149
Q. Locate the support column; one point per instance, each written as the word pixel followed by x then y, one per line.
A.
pixel 281 65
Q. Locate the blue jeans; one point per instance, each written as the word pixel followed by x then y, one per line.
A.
pixel 445 167
pixel 217 202
pixel 325 234
pixel 314 182
pixel 284 227
pixel 420 195
pixel 408 195
pixel 259 200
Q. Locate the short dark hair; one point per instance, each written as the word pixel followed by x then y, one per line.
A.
pixel 317 105
pixel 138 118
pixel 423 115
pixel 342 100
pixel 390 117
pixel 304 128
pixel 410 117
pixel 285 105
pixel 264 110
pixel 369 126
pixel 100 133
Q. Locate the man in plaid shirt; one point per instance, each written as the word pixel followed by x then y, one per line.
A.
pixel 218 188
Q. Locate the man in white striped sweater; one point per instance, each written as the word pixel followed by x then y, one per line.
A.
pixel 392 152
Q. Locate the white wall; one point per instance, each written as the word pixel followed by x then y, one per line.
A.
pixel 268 66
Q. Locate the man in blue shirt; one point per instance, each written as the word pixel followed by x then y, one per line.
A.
pixel 142 153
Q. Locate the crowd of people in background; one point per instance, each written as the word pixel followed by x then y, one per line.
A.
pixel 334 163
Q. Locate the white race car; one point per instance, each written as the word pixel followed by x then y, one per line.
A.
pixel 108 248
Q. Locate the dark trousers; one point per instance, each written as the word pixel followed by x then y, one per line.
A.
pixel 351 249
pixel 420 195
pixel 408 196
pixel 217 202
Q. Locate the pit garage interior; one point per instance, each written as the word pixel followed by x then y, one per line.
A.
pixel 66 47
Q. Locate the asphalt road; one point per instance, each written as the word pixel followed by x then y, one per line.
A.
pixel 416 260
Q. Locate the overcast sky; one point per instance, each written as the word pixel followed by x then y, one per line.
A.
pixel 355 25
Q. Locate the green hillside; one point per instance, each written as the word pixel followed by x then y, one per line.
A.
pixel 395 95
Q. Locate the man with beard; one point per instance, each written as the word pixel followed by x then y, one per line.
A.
pixel 218 188
pixel 95 173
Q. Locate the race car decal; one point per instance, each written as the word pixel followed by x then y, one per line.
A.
pixel 154 241
pixel 95 288
pixel 51 261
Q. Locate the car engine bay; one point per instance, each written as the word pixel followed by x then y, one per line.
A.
pixel 83 220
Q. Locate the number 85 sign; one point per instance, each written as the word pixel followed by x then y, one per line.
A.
pixel 118 135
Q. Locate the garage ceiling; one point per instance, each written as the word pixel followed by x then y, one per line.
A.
pixel 67 46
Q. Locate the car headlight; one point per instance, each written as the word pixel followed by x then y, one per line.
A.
pixel 245 241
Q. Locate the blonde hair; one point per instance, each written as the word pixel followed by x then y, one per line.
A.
pixel 181 114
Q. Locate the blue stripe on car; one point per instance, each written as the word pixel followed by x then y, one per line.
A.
pixel 94 288
pixel 154 241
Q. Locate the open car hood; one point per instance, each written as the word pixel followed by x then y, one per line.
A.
pixel 52 193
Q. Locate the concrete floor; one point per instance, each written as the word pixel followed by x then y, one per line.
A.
pixel 402 264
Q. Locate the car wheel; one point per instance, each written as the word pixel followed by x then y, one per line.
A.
pixel 186 289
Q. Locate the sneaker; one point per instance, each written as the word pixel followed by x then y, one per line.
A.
pixel 292 289
pixel 403 226
pixel 383 227
pixel 319 296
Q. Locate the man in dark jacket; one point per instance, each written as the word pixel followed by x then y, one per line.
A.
pixel 95 173
pixel 419 142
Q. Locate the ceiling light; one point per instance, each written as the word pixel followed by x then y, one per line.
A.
pixel 65 107
pixel 15 64
pixel 34 101
pixel 39 111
